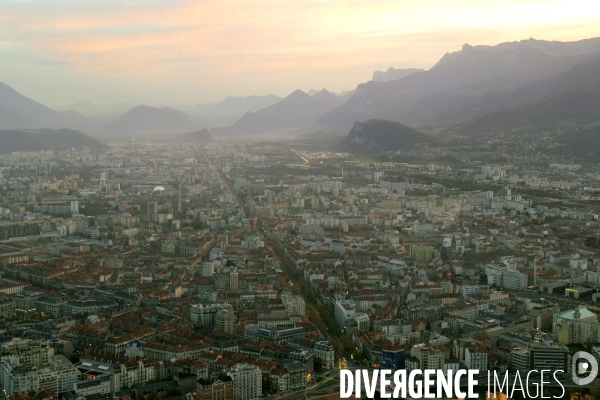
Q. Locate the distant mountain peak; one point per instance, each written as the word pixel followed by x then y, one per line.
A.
pixel 297 93
pixel 295 111
pixel 18 111
pixel 325 96
pixel 297 97
pixel 92 109
pixel 145 119
pixel 393 74
pixel 143 107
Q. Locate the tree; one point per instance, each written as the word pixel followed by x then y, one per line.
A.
pixel 140 396
pixel 356 354
pixel 592 241
pixel 336 346
pixel 347 343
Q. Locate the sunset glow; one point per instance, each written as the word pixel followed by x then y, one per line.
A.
pixel 190 52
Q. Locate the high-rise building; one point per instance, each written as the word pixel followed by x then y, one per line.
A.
pixel 423 253
pixel 247 381
pixel 152 207
pixel 103 179
pixel 233 279
pixel 362 321
pixel 519 360
pixel 221 280
pixel 205 313
pixel 225 319
pixel 270 196
pixel 294 304
pixel 428 357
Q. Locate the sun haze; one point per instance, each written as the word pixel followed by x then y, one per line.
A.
pixel 188 52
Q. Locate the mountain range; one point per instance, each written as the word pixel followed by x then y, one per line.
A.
pixel 393 74
pixel 453 90
pixel 516 86
pixel 91 109
pixel 292 113
pixel 45 139
pixel 563 100
pixel 148 120
pixel 18 111
pixel 225 112
pixel 218 113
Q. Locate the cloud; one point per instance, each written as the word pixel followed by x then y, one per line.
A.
pixel 50 64
pixel 244 47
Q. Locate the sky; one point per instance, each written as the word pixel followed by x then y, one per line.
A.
pixel 160 52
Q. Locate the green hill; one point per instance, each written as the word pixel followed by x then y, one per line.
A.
pixel 380 135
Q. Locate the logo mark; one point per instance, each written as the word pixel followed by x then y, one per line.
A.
pixel 580 368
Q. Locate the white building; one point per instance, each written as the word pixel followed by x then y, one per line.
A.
pixel 294 304
pixel 252 243
pixel 344 312
pixel 362 319
pixel 247 381
pixel 58 376
pixel 578 263
pixel 325 354
pixel 90 387
pixel 476 358
pixel 451 365
pixel 505 278
pixel 205 313
pixel 429 357
pixel 577 326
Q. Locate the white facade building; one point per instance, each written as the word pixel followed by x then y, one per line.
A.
pixel 325 354
pixel 247 381
pixel 476 358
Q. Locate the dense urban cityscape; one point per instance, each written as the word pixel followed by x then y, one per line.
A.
pixel 299 200
pixel 150 270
